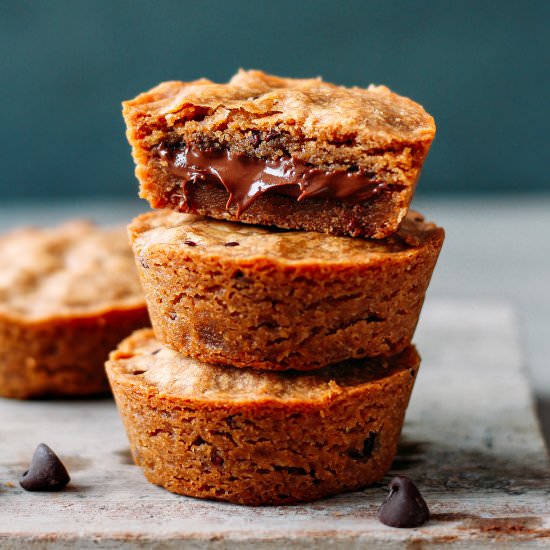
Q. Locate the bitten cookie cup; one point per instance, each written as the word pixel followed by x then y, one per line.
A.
pixel 68 295
pixel 252 437
pixel 263 298
pixel 291 153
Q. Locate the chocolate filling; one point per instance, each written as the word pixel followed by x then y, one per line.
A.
pixel 246 178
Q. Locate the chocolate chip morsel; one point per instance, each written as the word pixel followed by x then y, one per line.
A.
pixel 46 472
pixel 404 506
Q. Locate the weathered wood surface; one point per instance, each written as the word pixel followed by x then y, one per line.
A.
pixel 471 442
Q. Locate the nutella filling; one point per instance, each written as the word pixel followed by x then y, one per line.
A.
pixel 246 178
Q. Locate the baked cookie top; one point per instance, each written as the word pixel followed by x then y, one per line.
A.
pixel 314 109
pixel 196 236
pixel 74 269
pixel 145 361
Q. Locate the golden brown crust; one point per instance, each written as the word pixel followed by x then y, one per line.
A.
pixel 62 357
pixel 68 295
pixel 258 438
pixel 375 117
pixel 250 296
pixel 260 116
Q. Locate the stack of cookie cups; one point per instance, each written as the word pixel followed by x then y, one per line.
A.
pixel 280 363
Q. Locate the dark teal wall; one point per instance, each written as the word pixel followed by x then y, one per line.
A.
pixel 481 68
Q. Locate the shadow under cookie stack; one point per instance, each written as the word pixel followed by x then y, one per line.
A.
pixel 284 277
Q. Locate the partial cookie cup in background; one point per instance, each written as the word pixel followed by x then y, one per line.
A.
pixel 68 295
pixel 251 437
pixel 264 298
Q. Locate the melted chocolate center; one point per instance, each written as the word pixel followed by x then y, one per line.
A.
pixel 246 178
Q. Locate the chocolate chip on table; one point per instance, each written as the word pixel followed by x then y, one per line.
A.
pixel 46 472
pixel 404 506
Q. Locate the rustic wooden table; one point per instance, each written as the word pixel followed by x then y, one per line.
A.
pixel 471 438
pixel 471 442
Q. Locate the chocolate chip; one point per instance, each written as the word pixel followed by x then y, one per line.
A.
pixel 255 138
pixel 200 141
pixel 198 441
pixel 366 451
pixel 291 470
pixel 210 336
pixel 404 506
pixel 143 263
pixel 46 472
pixel 216 459
pixel 190 243
pixel 173 315
pixel 170 148
pixel 232 243
pixel 272 134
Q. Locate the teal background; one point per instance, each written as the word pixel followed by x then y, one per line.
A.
pixel 481 68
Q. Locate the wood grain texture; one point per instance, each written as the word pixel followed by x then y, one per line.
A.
pixel 471 442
